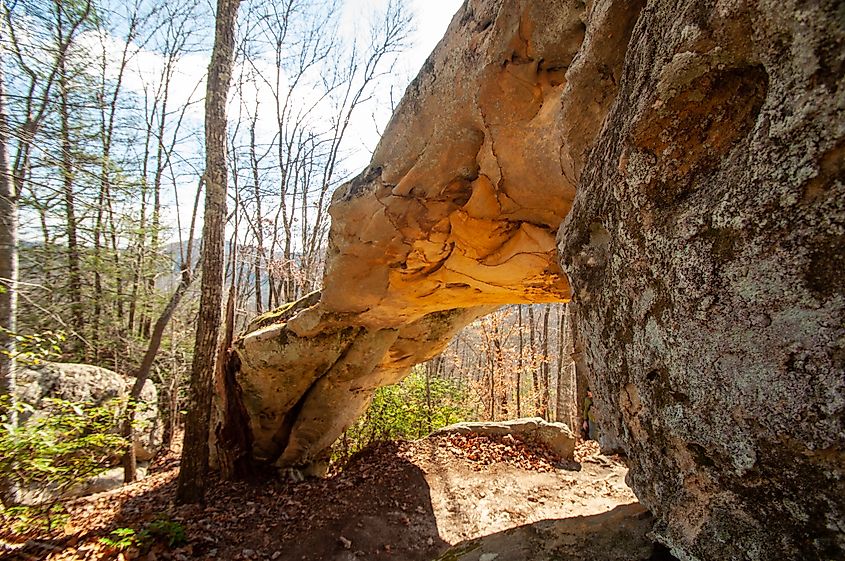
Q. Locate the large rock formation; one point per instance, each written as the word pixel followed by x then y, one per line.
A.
pixel 702 144
pixel 557 437
pixel 706 250
pixel 456 215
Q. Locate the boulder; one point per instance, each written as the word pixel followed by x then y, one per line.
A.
pixel 84 383
pixel 556 436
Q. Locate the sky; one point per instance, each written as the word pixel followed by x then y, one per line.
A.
pixel 430 20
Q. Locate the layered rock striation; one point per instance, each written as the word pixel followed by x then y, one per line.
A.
pixel 688 155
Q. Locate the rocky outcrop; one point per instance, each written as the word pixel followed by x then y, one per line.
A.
pixel 705 250
pixel 557 437
pixel 695 150
pixel 456 215
pixel 84 383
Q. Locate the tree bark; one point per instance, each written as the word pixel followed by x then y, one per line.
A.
pixel 535 376
pixel 73 259
pixel 545 399
pixel 195 452
pixel 8 261
pixel 578 358
pixel 519 364
pixel 259 225
pixel 562 404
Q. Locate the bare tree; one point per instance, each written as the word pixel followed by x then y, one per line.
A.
pixel 143 371
pixel 8 256
pixel 195 453
pixel 37 88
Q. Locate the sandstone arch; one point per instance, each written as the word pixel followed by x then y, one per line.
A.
pixel 683 162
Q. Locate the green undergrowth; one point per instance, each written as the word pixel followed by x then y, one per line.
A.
pixel 408 410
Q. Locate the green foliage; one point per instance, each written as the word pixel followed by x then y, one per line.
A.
pixel 122 539
pixel 167 531
pixel 53 450
pixel 160 530
pixel 24 519
pixel 408 410
pixel 33 349
pixel 60 446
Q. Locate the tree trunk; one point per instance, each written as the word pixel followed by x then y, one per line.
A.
pixel 8 262
pixel 143 373
pixel 519 364
pixel 259 225
pixel 562 403
pixel 194 465
pixel 579 359
pixel 545 399
pixel 433 364
pixel 535 377
pixel 73 260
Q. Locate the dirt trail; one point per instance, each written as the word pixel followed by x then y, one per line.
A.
pixel 406 501
pixel 471 500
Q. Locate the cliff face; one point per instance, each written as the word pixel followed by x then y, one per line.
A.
pixel 705 249
pixel 693 151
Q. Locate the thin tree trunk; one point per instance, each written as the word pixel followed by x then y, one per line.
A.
pixel 259 226
pixel 143 372
pixel 156 214
pixel 561 407
pixel 545 400
pixel 195 452
pixel 8 262
pixel 491 361
pixel 519 365
pixel 534 366
pixel 430 365
pixel 74 269
pixel 497 367
pixel 579 359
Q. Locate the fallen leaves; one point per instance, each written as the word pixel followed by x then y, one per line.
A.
pixel 378 506
pixel 586 449
pixel 488 450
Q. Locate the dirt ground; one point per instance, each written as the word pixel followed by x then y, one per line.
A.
pixel 447 497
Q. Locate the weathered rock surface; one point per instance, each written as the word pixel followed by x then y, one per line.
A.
pixel 456 215
pixel 705 250
pixel 702 144
pixel 84 383
pixel 556 436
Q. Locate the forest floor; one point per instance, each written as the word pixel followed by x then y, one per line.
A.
pixel 449 497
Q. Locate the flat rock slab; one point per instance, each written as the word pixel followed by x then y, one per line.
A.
pixel 556 436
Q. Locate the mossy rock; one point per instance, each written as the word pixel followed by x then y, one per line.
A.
pixel 284 312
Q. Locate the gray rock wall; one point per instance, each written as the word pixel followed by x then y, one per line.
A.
pixel 706 250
